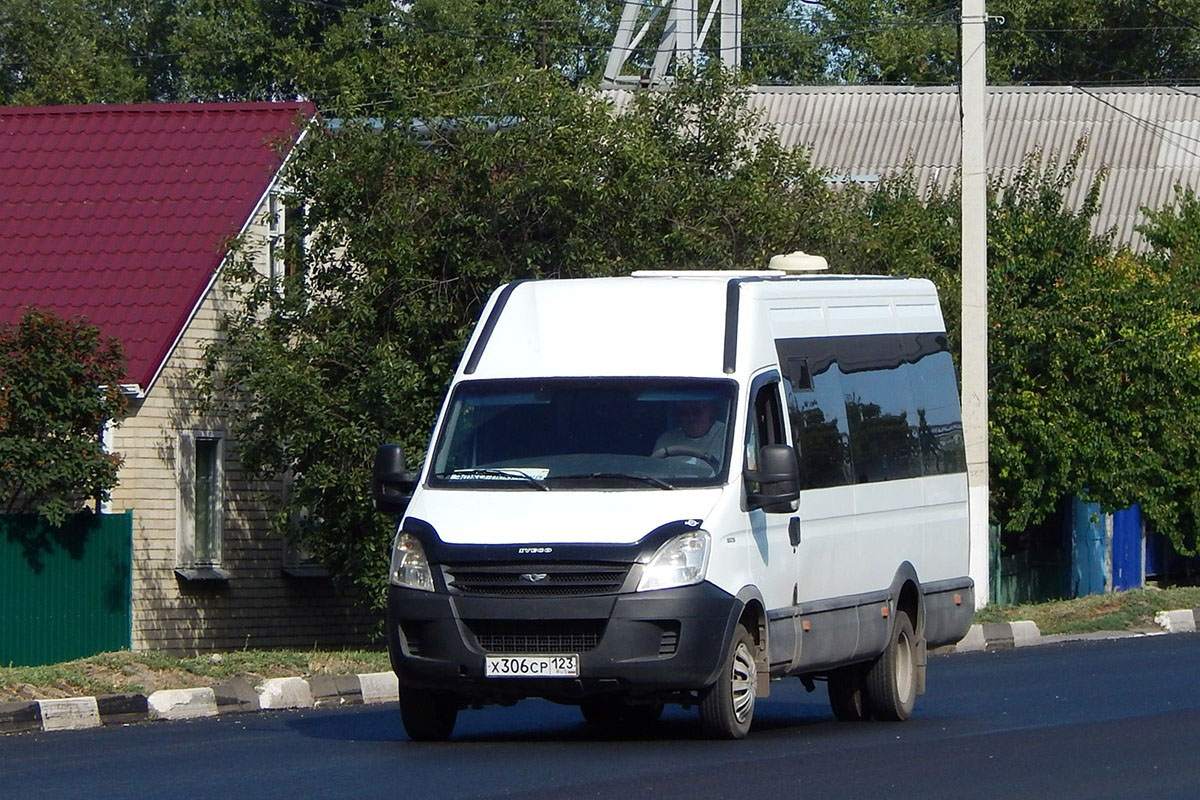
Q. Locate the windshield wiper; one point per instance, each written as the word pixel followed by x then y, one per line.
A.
pixel 650 479
pixel 495 472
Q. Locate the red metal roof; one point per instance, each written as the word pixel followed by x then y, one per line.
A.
pixel 120 213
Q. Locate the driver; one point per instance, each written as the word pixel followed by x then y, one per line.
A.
pixel 698 430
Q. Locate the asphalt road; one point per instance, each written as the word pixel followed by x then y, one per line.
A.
pixel 1117 719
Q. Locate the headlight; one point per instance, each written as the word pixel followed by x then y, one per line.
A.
pixel 679 562
pixel 409 567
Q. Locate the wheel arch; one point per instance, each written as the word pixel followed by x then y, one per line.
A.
pixel 753 615
pixel 905 595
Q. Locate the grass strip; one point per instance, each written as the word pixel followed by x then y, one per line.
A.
pixel 1118 611
pixel 146 671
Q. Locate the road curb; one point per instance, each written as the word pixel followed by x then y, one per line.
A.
pixel 380 687
pixel 990 636
pixel 119 709
pixel 1185 620
pixel 69 713
pixel 285 693
pixel 236 695
pixel 20 716
pixel 183 703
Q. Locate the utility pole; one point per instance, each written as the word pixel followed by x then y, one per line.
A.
pixel 973 102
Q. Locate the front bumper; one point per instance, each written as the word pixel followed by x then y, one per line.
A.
pixel 641 643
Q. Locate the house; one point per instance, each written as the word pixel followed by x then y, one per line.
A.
pixel 1146 138
pixel 124 214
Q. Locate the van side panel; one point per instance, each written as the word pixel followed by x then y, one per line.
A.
pixel 870 381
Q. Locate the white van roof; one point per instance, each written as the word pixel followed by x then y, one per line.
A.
pixel 678 323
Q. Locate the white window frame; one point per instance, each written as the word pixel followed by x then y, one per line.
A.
pixel 186 505
pixel 276 233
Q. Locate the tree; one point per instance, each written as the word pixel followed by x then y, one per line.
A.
pixel 410 230
pixel 781 43
pixel 1038 41
pixel 59 385
pixel 82 51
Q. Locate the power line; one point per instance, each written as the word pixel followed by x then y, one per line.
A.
pixel 1155 129
pixel 1112 29
pixel 1172 14
pixel 517 36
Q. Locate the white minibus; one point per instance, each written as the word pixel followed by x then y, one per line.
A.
pixel 678 487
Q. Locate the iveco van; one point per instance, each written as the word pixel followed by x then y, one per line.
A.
pixel 678 488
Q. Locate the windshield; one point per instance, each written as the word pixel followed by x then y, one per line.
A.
pixel 570 433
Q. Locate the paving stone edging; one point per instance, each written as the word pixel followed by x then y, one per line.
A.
pixel 322 691
pixel 231 697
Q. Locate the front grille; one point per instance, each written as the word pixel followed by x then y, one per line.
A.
pixel 536 636
pixel 535 580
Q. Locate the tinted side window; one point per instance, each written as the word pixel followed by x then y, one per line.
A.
pixel 872 408
pixel 817 409
pixel 939 417
pixel 880 408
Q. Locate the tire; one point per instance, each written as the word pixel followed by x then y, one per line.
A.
pixel 848 694
pixel 727 707
pixel 428 716
pixel 892 679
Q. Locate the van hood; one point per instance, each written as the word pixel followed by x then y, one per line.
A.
pixel 525 516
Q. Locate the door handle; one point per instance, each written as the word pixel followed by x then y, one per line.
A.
pixel 794 531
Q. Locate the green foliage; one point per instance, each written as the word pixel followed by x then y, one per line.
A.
pixel 409 233
pixel 350 52
pixel 81 51
pixel 59 383
pixel 1093 41
pixel 1038 41
pixel 872 42
pixel 1047 326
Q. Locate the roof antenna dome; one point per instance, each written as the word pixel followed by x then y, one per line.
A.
pixel 799 261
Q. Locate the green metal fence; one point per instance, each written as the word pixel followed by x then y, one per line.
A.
pixel 64 591
pixel 1030 566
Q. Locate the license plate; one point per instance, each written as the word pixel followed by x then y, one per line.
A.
pixel 532 666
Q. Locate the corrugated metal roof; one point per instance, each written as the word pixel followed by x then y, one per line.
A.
pixel 1147 138
pixel 121 214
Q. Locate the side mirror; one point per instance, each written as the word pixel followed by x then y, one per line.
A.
pixel 778 479
pixel 391 484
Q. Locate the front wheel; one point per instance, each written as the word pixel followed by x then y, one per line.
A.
pixel 428 715
pixel 727 707
pixel 892 679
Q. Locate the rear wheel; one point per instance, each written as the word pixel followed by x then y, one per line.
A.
pixel 892 679
pixel 428 715
pixel 727 707
pixel 848 694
